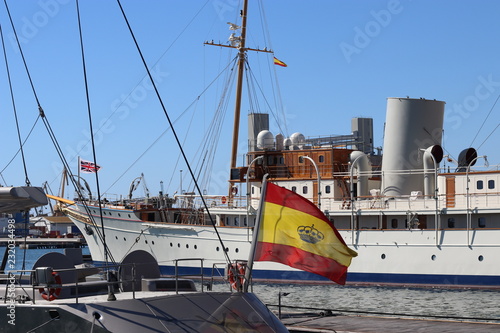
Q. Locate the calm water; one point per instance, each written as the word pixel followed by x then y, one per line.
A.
pixel 390 300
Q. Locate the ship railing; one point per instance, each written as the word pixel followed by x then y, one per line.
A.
pixel 50 281
pixel 177 274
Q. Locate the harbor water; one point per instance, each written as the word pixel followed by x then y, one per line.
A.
pixel 462 304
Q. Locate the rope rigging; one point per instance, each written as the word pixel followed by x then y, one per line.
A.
pixel 160 100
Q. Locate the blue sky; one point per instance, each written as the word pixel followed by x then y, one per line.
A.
pixel 345 58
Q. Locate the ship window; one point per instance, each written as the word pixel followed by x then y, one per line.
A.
pixel 304 189
pixel 227 220
pixel 451 222
pixel 171 245
pixel 479 185
pixel 301 159
pixel 124 239
pixel 236 221
pixel 282 160
pixel 253 190
pixel 187 246
pixel 480 258
pixel 237 250
pixel 481 222
pixel 491 184
pixel 270 160
pixel 245 221
pixel 196 247
pixel 394 223
pixel 294 188
pixel 153 242
pixel 217 248
pixel 119 214
pixel 178 244
pixel 328 189
pixel 321 158
pixel 146 241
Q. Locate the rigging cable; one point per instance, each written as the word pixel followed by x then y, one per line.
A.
pixel 84 68
pixel 14 109
pixel 46 123
pixel 172 127
pixel 489 113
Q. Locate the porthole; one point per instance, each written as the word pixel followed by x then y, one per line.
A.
pixel 480 258
pixel 171 245
pixel 153 242
pixel 236 250
pixel 128 215
pixel 116 237
pixel 119 214
pixel 178 244
pixel 433 257
pixel 227 249
pixel 124 239
pixel 146 241
pixel 217 248
pixel 382 256
pixel 187 246
pixel 195 247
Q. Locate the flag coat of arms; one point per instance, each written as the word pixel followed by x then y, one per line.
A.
pixel 88 167
pixel 294 232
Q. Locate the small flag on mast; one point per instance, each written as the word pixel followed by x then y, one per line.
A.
pixel 294 232
pixel 279 62
pixel 88 167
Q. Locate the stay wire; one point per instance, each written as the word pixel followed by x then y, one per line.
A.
pixel 46 123
pixel 172 127
pixel 14 109
pixel 87 97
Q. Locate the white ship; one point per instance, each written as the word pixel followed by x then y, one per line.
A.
pixel 411 221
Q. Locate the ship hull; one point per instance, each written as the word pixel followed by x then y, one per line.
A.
pixel 386 257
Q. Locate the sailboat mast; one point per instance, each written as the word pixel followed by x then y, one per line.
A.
pixel 239 88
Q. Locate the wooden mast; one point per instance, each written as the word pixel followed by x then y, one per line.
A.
pixel 238 43
pixel 239 89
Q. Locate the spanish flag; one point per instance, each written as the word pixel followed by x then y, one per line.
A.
pixel 294 232
pixel 279 62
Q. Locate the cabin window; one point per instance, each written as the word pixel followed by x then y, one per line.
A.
pixel 253 190
pixel 304 189
pixel 301 159
pixel 245 221
pixel 479 185
pixel 294 189
pixel 321 158
pixel 394 223
pixel 282 160
pixel 236 221
pixel 328 189
pixel 451 222
pixel 227 220
pixel 270 160
pixel 481 222
pixel 491 184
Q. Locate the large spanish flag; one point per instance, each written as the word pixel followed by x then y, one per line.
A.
pixel 294 232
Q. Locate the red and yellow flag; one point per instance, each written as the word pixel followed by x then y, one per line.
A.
pixel 294 232
pixel 279 62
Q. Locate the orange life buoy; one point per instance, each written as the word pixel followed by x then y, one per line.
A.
pixel 236 276
pixel 51 293
pixel 223 200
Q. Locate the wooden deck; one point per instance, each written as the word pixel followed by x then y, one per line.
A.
pixel 367 324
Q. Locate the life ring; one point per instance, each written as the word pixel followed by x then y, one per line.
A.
pixel 234 190
pixel 223 200
pixel 236 280
pixel 51 294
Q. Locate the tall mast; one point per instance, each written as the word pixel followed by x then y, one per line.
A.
pixel 238 42
pixel 239 88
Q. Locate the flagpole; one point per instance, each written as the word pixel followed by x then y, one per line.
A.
pixel 248 271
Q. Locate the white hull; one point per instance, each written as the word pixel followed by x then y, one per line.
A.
pixel 408 257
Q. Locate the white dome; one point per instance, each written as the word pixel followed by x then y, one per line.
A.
pixel 265 140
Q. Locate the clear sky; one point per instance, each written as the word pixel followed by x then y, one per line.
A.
pixel 344 59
